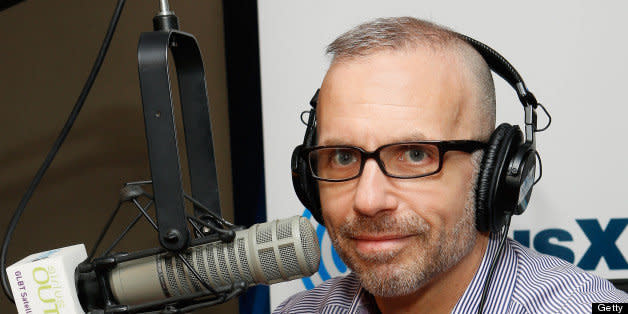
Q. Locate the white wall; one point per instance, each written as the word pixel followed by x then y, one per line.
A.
pixel 572 55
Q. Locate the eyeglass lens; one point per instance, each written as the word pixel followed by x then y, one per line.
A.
pixel 400 160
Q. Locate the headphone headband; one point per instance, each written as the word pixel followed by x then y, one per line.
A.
pixel 498 64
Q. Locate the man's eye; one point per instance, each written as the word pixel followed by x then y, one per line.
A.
pixel 414 155
pixel 343 157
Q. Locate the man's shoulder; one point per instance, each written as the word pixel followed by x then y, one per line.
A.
pixel 334 294
pixel 548 283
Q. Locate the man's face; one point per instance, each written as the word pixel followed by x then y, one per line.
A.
pixel 397 234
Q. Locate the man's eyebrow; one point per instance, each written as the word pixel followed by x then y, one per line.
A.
pixel 335 140
pixel 414 136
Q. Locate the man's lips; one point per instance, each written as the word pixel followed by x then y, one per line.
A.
pixel 368 244
pixel 380 237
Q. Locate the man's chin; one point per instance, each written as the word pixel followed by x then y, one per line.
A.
pixel 380 266
pixel 374 259
pixel 387 274
pixel 390 281
pixel 382 272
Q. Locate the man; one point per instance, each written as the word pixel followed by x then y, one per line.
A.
pixel 404 225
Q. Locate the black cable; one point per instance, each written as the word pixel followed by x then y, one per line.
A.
pixel 538 157
pixel 8 3
pixel 55 147
pixel 494 262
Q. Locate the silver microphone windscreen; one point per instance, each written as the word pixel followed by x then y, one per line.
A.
pixel 266 253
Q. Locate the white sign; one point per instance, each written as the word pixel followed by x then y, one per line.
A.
pixel 44 282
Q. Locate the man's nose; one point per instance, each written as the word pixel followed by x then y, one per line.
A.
pixel 372 192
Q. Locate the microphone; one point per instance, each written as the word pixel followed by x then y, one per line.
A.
pixel 266 253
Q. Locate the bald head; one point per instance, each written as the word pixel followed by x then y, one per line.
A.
pixel 405 34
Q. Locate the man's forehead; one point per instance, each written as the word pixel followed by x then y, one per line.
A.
pixel 371 125
pixel 422 86
pixel 395 78
pixel 400 111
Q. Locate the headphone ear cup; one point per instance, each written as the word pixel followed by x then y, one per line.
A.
pixel 502 145
pixel 520 178
pixel 305 186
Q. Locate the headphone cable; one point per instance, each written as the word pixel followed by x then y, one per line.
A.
pixel 494 262
pixel 55 147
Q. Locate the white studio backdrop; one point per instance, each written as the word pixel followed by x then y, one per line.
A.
pixel 572 56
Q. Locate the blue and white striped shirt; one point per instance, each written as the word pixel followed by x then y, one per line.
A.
pixel 524 282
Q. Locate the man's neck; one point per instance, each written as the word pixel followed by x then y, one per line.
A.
pixel 443 291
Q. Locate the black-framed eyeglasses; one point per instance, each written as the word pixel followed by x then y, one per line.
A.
pixel 406 160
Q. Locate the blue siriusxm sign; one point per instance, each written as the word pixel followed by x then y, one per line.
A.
pixel 602 243
pixel 552 241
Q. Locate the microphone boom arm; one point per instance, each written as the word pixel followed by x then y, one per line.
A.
pixel 161 132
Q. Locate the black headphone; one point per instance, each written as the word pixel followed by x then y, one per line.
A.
pixel 507 171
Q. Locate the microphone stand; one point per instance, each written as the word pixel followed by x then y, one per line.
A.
pixel 169 197
pixel 163 154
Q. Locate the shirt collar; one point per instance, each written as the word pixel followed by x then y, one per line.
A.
pixel 501 286
pixel 364 303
